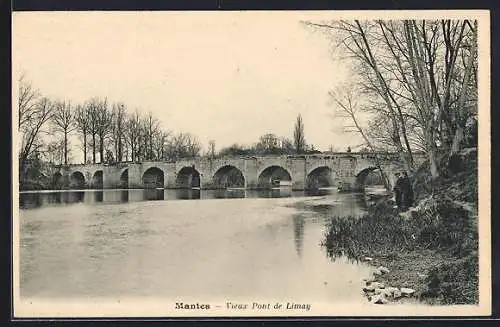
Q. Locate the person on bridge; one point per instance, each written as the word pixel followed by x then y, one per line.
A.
pixel 398 190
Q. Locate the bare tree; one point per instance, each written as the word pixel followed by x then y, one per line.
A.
pixel 118 129
pixel 182 145
pixel 39 114
pixel 28 101
pixel 298 135
pixel 286 145
pixel 347 105
pixel 54 152
pixel 133 133
pixel 411 71
pixel 63 122
pixel 92 111
pixel 193 145
pixel 151 127
pixel 104 121
pixel 159 144
pixel 82 125
pixel 268 144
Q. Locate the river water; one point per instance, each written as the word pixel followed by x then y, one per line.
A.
pixel 181 244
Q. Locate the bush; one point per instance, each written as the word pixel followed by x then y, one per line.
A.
pixel 355 237
pixel 455 282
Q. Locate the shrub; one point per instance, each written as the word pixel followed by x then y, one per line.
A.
pixel 454 282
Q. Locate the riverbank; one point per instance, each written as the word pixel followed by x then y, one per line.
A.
pixel 432 248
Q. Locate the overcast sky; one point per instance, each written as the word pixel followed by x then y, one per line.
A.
pixel 228 77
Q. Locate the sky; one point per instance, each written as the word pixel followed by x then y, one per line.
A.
pixel 224 76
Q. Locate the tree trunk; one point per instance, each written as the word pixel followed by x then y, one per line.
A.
pixel 120 150
pixel 457 140
pixel 132 152
pixel 101 148
pixel 432 155
pixel 433 163
pixel 84 148
pixel 65 148
pixel 93 148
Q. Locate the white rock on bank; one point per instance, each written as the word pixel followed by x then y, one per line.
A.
pixel 407 291
pixel 369 288
pixel 378 299
pixel 389 291
pixel 397 294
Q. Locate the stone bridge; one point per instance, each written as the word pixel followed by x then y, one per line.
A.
pixel 345 170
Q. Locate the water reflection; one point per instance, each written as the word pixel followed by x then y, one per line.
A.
pixel 154 194
pixel 29 200
pixel 34 200
pixel 266 248
pixel 298 233
pixel 187 194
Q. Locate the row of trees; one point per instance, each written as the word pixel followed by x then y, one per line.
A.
pixel 107 132
pixel 415 79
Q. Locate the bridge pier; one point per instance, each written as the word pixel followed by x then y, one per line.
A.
pixel 299 176
pixel 251 176
pixel 110 177
pixel 135 175
pixel 170 178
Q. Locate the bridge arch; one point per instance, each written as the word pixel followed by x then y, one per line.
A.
pixel 321 176
pixel 97 179
pixel 153 177
pixel 273 173
pixel 124 178
pixel 229 176
pixel 77 180
pixel 188 177
pixel 370 176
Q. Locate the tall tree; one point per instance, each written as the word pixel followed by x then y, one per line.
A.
pixel 28 101
pixel 40 113
pixel 118 129
pixel 151 127
pixel 299 140
pixel 92 110
pixel 63 122
pixel 346 101
pixel 411 71
pixel 104 121
pixel 82 125
pixel 132 134
pixel 159 142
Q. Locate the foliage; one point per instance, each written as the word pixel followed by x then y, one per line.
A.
pixel 445 222
pixel 299 140
pixel 451 282
pixel 415 79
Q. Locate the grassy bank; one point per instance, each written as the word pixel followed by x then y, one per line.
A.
pixel 433 248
